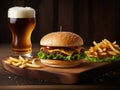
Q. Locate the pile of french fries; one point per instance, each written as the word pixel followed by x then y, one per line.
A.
pixel 22 62
pixel 103 49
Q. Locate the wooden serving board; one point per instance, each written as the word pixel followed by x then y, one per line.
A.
pixel 82 72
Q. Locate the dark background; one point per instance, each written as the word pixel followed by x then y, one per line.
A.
pixel 91 19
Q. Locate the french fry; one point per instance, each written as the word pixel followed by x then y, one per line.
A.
pixel 32 65
pixel 104 48
pixel 7 62
pixel 22 66
pixel 22 62
pixel 103 53
pixel 97 46
pixel 95 53
pixel 13 59
pixel 16 64
pixel 116 46
pixel 112 53
pixel 114 43
pixel 112 47
pixel 21 58
pixel 104 42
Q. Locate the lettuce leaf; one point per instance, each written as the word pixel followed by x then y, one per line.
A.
pixel 107 59
pixel 42 55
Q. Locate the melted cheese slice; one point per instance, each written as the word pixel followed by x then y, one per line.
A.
pixel 67 52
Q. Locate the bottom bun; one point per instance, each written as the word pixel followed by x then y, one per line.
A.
pixel 60 63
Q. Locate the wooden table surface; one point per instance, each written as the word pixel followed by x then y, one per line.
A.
pixel 11 82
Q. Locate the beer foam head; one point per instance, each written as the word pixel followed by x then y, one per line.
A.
pixel 21 12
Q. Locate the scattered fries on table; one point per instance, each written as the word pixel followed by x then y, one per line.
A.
pixel 103 49
pixel 22 62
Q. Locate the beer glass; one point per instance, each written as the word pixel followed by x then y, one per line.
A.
pixel 21 21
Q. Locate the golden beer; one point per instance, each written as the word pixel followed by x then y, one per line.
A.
pixel 21 25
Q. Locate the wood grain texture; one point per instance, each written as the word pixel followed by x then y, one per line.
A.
pixel 84 71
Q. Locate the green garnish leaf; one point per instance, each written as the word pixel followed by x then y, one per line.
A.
pixel 42 55
pixel 107 59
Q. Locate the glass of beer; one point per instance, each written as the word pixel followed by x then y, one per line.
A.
pixel 21 21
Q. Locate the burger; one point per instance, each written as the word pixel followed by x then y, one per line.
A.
pixel 61 49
